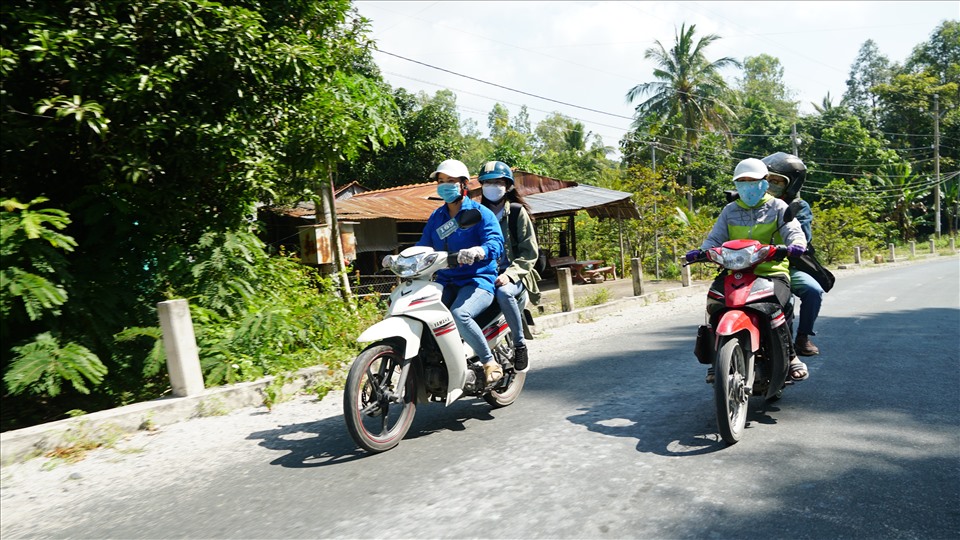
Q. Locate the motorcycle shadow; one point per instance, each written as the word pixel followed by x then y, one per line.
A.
pixel 668 433
pixel 326 442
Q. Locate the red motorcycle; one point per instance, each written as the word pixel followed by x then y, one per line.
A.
pixel 738 339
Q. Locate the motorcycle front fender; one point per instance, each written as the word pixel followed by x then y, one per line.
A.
pixel 405 328
pixel 735 321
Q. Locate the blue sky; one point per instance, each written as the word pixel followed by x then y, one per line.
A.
pixel 576 56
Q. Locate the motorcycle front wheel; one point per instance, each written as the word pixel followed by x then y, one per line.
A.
pixel 730 390
pixel 377 413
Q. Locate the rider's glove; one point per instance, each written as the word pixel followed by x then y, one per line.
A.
pixel 387 261
pixel 693 255
pixel 795 250
pixel 470 255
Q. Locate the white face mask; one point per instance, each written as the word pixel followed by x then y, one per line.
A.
pixel 494 192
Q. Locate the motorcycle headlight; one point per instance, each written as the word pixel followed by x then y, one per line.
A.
pixel 415 265
pixel 739 259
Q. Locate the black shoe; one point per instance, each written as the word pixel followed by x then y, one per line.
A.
pixel 520 358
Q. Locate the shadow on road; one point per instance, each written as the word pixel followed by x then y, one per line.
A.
pixel 326 442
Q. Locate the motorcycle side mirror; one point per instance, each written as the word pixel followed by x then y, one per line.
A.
pixel 731 195
pixel 469 218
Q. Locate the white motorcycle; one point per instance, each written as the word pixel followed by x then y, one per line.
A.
pixel 417 355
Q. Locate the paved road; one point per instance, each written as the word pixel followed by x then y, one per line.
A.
pixel 613 437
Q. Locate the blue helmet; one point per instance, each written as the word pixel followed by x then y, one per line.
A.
pixel 495 170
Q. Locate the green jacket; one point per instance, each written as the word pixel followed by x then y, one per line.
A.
pixel 520 253
pixel 763 223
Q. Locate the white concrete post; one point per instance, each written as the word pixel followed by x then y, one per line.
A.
pixel 637 272
pixel 180 344
pixel 953 244
pixel 856 255
pixel 933 246
pixel 893 253
pixel 913 248
pixel 684 275
pixel 565 282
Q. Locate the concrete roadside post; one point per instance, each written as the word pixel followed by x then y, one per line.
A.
pixel 893 253
pixel 913 248
pixel 565 282
pixel 933 246
pixel 856 255
pixel 953 244
pixel 637 273
pixel 684 275
pixel 180 344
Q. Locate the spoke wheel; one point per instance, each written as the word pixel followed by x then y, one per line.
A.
pixel 377 413
pixel 730 391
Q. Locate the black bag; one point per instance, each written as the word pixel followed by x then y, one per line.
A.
pixel 809 263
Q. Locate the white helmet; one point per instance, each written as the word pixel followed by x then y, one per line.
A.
pixel 751 169
pixel 451 167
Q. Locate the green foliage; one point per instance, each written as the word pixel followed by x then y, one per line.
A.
pixel 43 365
pixel 159 126
pixel 31 259
pixel 838 229
pixel 30 246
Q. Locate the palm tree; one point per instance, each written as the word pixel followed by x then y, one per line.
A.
pixel 689 92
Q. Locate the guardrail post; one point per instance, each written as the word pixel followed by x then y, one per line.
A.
pixel 637 272
pixel 565 282
pixel 180 344
pixel 893 253
pixel 856 255
pixel 913 248
pixel 684 275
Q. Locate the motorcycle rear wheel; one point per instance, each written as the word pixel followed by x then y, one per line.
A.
pixel 510 393
pixel 375 422
pixel 730 391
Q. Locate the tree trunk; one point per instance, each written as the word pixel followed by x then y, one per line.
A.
pixel 329 212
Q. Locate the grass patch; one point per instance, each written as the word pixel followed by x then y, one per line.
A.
pixel 81 440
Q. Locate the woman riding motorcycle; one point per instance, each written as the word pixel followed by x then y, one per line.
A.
pixel 757 215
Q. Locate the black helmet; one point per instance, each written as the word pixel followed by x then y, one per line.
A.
pixel 790 167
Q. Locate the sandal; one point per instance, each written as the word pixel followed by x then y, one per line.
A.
pixel 492 372
pixel 798 370
pixel 711 376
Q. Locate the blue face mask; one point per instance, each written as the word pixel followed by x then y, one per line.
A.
pixel 449 192
pixel 751 193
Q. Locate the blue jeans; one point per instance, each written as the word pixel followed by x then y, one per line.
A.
pixel 466 303
pixel 810 294
pixel 507 298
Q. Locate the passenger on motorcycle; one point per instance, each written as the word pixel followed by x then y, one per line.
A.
pixel 516 265
pixel 786 175
pixel 468 289
pixel 757 215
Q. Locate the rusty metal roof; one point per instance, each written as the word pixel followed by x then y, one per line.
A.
pixel 547 197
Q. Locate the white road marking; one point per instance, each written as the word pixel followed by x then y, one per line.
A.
pixel 891 299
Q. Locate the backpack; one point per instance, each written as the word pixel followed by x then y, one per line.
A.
pixel 514 215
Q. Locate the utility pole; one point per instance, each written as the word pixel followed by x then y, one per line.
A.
pixel 794 139
pixel 936 163
pixel 656 228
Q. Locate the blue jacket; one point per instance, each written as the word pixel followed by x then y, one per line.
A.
pixel 485 234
